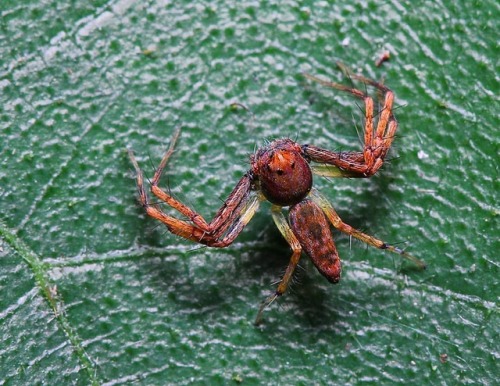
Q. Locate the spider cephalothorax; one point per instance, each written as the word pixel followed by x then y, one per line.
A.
pixel 281 173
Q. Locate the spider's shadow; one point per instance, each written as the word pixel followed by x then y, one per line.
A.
pixel 308 299
pixel 308 291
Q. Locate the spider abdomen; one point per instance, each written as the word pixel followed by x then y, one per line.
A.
pixel 284 175
pixel 311 228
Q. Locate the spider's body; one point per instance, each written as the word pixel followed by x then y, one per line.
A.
pixel 281 173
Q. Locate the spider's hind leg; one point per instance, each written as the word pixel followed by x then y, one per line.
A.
pixel 337 222
pixel 287 233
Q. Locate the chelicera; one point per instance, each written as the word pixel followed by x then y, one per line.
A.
pixel 282 173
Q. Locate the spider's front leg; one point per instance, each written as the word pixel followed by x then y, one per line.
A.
pixel 226 225
pixel 377 141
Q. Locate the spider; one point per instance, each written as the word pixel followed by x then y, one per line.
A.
pixel 282 173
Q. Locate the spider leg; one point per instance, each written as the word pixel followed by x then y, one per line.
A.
pixel 227 224
pixel 377 141
pixel 167 198
pixel 237 222
pixel 328 168
pixel 223 218
pixel 289 236
pixel 337 222
pixel 176 226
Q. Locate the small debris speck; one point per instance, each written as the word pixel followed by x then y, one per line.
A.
pixel 422 154
pixel 383 57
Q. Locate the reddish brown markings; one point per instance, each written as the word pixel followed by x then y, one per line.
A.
pixel 309 224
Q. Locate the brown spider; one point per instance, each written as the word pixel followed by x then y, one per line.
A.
pixel 282 174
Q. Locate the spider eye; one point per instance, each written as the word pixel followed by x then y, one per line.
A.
pixel 280 172
pixel 292 165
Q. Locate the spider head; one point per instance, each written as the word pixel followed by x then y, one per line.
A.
pixel 283 172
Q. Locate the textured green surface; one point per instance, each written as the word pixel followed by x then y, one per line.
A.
pixel 92 291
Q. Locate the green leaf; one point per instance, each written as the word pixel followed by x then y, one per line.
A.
pixel 95 292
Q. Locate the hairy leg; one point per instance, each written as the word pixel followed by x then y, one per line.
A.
pixel 228 222
pixel 337 222
pixel 377 143
pixel 287 233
